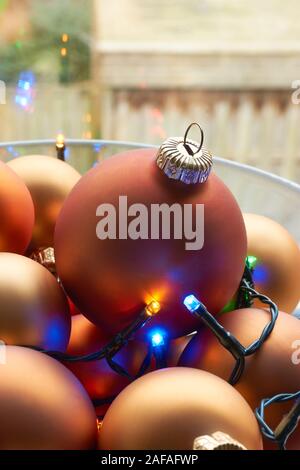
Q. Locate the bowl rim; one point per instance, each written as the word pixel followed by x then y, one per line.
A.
pixel 102 142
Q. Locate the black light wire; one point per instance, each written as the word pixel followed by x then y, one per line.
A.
pixel 142 370
pixel 289 422
pixel 160 356
pixel 246 295
pixel 108 351
pixel 250 294
pixel 243 299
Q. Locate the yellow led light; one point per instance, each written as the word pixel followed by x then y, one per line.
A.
pixel 65 37
pixel 64 51
pixel 60 141
pixel 153 308
pixel 88 135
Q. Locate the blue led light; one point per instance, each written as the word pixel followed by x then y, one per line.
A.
pixel 67 153
pixel 191 302
pixel 23 101
pixel 25 91
pixel 97 147
pixel 157 339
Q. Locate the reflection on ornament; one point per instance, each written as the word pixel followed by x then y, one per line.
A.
pixel 276 261
pixel 33 307
pixel 176 348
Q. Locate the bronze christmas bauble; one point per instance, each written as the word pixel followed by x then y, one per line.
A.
pixel 169 408
pixel 98 378
pixel 16 212
pixel 33 307
pixel 276 273
pixel 111 279
pixel 42 404
pixel 73 309
pixel 272 370
pixel 176 348
pixel 49 181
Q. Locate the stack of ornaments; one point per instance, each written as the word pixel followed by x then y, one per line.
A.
pixel 76 299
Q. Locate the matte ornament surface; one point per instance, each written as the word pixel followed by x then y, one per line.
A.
pixel 169 408
pixel 277 261
pixel 272 370
pixel 16 212
pixel 33 307
pixel 49 181
pixel 42 405
pixel 110 280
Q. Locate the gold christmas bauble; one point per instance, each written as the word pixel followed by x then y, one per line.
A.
pixel 277 261
pixel 170 408
pixel 272 370
pixel 42 404
pixel 49 181
pixel 33 307
pixel 16 212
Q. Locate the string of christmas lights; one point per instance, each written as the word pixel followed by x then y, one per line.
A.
pixel 158 345
pixel 114 346
pixel 287 425
pixel 229 341
pixel 158 341
pixel 159 348
pixel 60 147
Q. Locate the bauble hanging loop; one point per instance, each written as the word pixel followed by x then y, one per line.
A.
pixel 189 150
pixel 184 159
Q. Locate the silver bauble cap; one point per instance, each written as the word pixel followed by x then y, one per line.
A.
pixel 45 257
pixel 217 441
pixel 184 159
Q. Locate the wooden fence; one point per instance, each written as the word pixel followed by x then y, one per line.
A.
pixel 261 128
pixel 56 108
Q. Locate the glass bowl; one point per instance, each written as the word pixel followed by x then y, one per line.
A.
pixel 256 191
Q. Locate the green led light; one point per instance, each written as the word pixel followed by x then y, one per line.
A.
pixel 230 306
pixel 251 261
